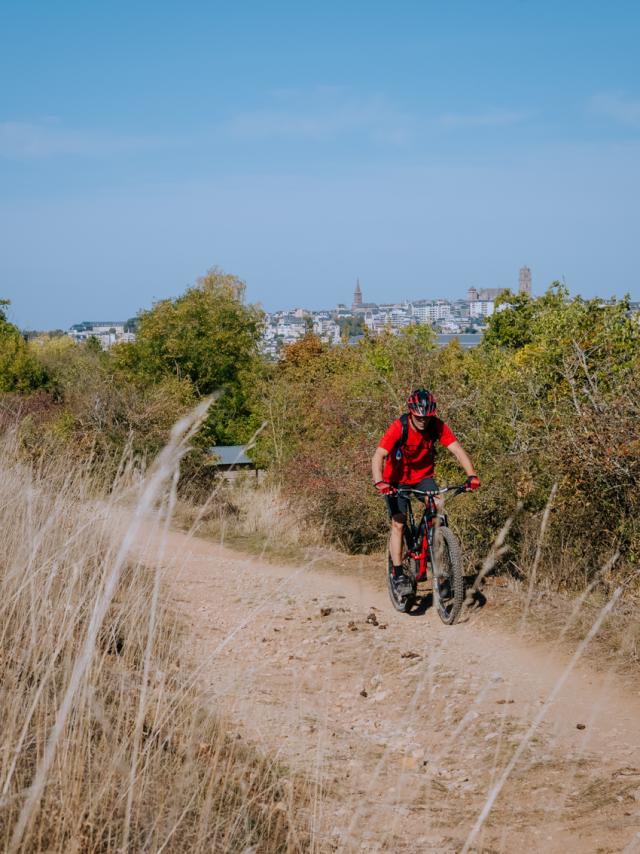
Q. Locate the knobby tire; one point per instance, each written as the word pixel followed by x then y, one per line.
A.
pixel 448 578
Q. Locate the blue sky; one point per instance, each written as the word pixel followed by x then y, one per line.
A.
pixel 424 147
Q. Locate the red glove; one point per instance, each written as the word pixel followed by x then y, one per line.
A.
pixel 383 487
pixel 473 482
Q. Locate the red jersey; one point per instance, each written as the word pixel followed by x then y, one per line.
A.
pixel 418 453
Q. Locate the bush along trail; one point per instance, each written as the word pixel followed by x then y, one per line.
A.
pixel 411 735
pixel 550 396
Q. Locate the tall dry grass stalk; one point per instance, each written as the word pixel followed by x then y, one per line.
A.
pixel 106 746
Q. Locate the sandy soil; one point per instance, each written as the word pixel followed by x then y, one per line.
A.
pixel 404 727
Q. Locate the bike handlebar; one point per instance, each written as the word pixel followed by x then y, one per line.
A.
pixel 395 490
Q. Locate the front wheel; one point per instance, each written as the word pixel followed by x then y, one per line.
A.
pixel 448 580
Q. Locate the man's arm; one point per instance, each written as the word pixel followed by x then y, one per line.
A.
pixel 377 463
pixel 462 457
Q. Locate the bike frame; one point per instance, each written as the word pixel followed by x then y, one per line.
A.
pixel 421 536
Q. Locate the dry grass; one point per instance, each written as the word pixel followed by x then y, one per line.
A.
pixel 106 744
pixel 255 517
pixel 566 618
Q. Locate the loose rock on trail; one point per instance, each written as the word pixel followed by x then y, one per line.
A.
pixel 403 726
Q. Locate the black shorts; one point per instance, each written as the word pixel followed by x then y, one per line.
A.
pixel 397 504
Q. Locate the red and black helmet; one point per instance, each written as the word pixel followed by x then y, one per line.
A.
pixel 422 403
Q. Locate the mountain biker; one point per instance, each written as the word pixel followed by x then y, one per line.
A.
pixel 411 463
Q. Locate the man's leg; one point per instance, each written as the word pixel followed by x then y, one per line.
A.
pixel 397 508
pixel 402 584
pixel 395 538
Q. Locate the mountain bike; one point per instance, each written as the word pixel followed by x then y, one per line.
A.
pixel 430 545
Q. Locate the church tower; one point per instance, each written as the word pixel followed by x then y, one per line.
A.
pixel 524 281
pixel 357 296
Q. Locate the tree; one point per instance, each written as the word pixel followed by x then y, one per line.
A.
pixel 209 337
pixel 92 344
pixel 351 326
pixel 510 325
pixel 20 371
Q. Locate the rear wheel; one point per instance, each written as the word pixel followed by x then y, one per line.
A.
pixel 448 580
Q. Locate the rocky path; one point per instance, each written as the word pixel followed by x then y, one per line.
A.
pixel 407 730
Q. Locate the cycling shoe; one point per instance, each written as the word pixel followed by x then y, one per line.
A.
pixel 403 585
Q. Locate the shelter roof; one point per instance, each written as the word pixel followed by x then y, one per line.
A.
pixel 230 455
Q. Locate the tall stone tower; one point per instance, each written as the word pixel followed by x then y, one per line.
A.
pixel 524 281
pixel 357 296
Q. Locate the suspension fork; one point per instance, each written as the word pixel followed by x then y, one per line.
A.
pixel 434 520
pixel 430 521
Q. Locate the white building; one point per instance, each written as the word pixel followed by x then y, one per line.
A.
pixel 107 333
pixel 326 328
pixel 375 321
pixel 481 308
pixel 107 327
pixel 426 311
pixel 291 328
pixel 451 327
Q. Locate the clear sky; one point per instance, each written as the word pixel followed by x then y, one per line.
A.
pixel 422 146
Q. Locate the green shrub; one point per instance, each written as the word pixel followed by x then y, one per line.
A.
pixel 19 370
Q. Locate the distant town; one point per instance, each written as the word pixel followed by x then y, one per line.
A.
pixel 334 325
pixel 460 317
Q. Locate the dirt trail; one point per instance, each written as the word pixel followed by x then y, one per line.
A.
pixel 404 727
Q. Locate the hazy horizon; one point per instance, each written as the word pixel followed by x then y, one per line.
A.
pixel 271 310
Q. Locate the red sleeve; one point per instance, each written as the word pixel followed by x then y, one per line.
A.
pixel 391 437
pixel 445 434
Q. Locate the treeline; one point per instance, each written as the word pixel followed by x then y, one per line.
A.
pixel 550 396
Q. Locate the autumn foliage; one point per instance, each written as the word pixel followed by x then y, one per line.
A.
pixel 551 396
